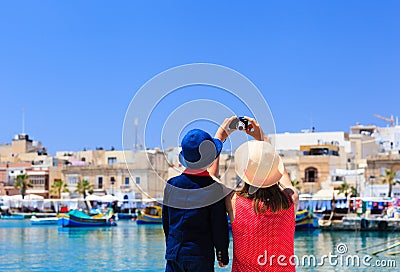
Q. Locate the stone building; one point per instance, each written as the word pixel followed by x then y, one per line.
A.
pixel 38 176
pixel 22 149
pixel 363 145
pixel 127 175
pixel 316 162
pixel 375 173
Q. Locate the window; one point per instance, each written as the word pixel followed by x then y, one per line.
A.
pixel 36 180
pixel 126 180
pixel 100 182
pixel 137 180
pixel 311 174
pixel 72 180
pixel 338 178
pixel 318 151
pixel 112 160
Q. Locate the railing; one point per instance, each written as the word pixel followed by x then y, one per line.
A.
pixel 125 186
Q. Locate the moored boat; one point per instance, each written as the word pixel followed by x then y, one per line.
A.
pixel 44 221
pixel 78 218
pixel 13 217
pixel 150 215
pixel 305 220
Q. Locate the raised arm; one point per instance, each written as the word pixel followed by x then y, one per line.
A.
pixel 254 129
pixel 222 134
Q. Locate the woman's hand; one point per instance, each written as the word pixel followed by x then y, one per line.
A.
pixel 224 131
pixel 254 130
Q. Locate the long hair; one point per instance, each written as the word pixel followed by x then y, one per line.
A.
pixel 267 199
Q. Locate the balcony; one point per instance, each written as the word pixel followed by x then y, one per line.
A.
pixel 125 186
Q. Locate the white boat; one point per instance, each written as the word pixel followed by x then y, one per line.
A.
pixel 44 221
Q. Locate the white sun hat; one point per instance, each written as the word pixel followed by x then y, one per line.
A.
pixel 258 164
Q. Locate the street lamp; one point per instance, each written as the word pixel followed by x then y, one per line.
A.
pixel 112 181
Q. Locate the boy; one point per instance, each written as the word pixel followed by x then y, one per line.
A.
pixel 194 214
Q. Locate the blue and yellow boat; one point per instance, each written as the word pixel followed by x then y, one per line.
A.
pixel 305 220
pixel 76 218
pixel 150 215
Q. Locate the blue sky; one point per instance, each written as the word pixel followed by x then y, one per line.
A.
pixel 74 66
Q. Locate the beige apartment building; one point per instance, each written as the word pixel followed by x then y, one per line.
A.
pixel 38 176
pixel 316 163
pixel 22 149
pixel 363 145
pixel 375 172
pixel 24 156
pixel 127 175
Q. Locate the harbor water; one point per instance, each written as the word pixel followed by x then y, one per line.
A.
pixel 132 247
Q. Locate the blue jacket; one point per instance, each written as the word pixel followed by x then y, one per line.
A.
pixel 193 233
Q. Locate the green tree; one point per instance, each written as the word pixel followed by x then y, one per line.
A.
pixel 296 184
pixel 22 183
pixel 390 179
pixel 59 187
pixel 83 187
pixel 345 188
pixel 353 191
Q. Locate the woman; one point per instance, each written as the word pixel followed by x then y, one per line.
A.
pixel 263 211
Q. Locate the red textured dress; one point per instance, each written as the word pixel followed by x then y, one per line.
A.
pixel 257 237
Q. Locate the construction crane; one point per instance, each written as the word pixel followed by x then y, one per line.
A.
pixel 391 119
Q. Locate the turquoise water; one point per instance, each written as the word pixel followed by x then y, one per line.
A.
pixel 129 247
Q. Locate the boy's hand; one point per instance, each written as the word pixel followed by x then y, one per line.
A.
pixel 224 131
pixel 221 264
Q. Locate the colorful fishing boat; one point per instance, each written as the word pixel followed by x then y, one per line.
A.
pixel 150 215
pixel 76 218
pixel 44 221
pixel 13 217
pixel 305 220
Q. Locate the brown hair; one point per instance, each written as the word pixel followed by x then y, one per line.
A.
pixel 271 198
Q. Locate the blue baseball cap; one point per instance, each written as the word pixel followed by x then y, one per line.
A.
pixel 199 149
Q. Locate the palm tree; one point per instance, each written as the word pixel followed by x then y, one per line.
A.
pixel 345 188
pixel 84 186
pixel 59 187
pixel 22 183
pixel 353 191
pixel 296 184
pixel 390 179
